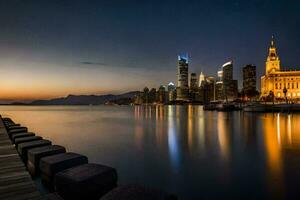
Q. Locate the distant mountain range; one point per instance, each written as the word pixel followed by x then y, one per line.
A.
pixel 85 99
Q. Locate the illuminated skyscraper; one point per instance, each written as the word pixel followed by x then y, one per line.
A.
pixel 229 85
pixel 201 78
pixel 193 87
pixel 193 81
pixel 161 94
pixel 171 92
pixel 182 79
pixel 249 80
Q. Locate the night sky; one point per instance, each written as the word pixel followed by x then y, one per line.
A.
pixel 54 48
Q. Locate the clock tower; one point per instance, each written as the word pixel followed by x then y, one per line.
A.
pixel 273 62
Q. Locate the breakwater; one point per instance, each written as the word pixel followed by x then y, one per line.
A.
pixel 66 175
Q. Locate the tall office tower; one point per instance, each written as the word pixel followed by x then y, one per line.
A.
pixel 152 95
pixel 201 79
pixel 229 85
pixel 161 94
pixel 249 80
pixel 219 92
pixel 193 87
pixel 193 81
pixel 227 71
pixel 210 81
pixel 146 95
pixel 182 79
pixel 171 92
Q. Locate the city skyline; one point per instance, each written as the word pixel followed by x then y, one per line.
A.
pixel 98 48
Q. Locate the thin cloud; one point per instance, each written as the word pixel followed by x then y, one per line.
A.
pixel 93 63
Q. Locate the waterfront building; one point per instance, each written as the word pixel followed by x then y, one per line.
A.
pixel 193 87
pixel 171 92
pixel 210 81
pixel 281 83
pixel 219 93
pixel 162 94
pixel 201 79
pixel 145 96
pixel 230 86
pixel 249 81
pixel 152 95
pixel 182 79
pixel 193 82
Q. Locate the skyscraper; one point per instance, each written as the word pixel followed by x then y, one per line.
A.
pixel 211 88
pixel 229 85
pixel 249 80
pixel 193 81
pixel 171 92
pixel 161 94
pixel 193 86
pixel 182 79
pixel 227 71
pixel 219 93
pixel 201 78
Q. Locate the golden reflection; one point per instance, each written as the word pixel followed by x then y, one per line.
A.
pixel 190 125
pixel 289 130
pixel 278 129
pixel 223 136
pixel 274 156
pixel 201 128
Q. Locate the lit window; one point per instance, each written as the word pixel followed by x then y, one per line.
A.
pixel 288 94
pixel 278 94
pixel 294 94
pixel 298 94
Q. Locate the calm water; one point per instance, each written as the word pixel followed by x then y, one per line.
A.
pixel 182 149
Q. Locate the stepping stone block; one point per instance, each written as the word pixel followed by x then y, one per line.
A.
pixel 24 147
pixel 12 125
pixel 6 119
pixel 51 165
pixel 35 155
pixel 20 135
pixel 137 192
pixel 88 181
pixel 26 139
pixel 20 130
pixel 16 127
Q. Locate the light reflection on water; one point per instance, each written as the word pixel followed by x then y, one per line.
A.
pixel 182 149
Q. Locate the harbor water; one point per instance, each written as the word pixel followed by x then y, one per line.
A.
pixel 181 149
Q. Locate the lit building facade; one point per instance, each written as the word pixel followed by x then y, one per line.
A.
pixel 249 80
pixel 230 86
pixel 281 83
pixel 201 79
pixel 182 79
pixel 171 92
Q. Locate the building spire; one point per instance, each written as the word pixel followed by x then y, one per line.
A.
pixel 272 42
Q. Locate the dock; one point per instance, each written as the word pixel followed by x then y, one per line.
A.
pixel 15 181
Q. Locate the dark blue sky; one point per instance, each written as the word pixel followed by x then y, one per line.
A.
pixel 113 46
